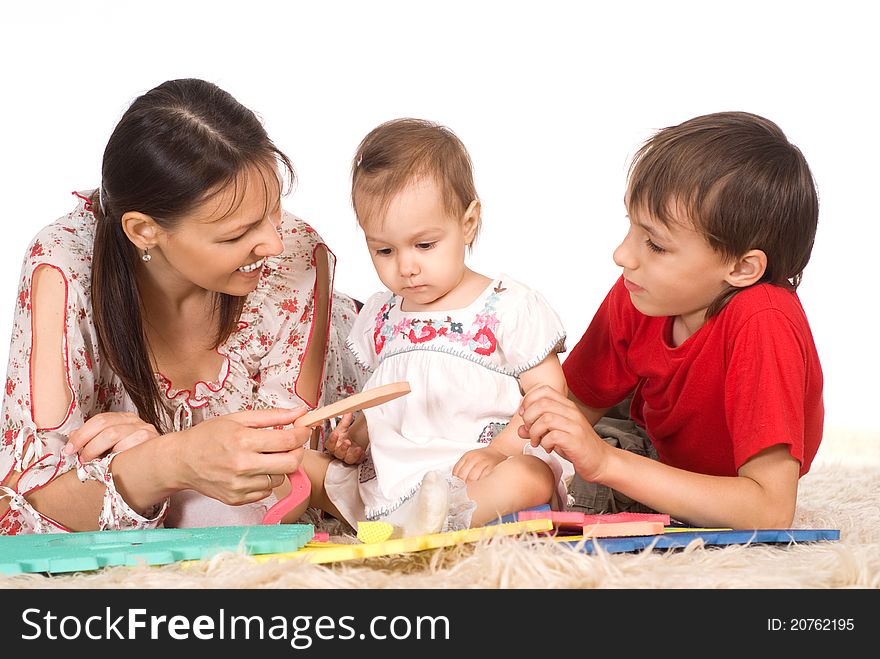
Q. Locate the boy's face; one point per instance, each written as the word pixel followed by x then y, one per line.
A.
pixel 671 271
pixel 418 247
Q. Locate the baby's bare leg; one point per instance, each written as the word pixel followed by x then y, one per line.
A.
pixel 520 482
pixel 315 464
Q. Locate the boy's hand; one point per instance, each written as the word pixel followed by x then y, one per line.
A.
pixel 554 422
pixel 477 463
pixel 340 445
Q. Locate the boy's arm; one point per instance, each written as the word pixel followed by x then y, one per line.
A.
pixel 762 495
pixel 592 414
pixel 508 440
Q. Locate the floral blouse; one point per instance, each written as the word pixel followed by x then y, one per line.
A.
pixel 260 369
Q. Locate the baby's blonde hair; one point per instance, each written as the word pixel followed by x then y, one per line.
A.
pixel 402 151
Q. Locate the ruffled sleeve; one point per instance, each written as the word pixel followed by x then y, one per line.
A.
pixel 277 325
pixel 529 328
pixel 65 246
pixel 368 334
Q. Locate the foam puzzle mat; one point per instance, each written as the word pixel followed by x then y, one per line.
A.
pixel 74 552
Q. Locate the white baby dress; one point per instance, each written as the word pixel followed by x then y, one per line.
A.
pixel 462 367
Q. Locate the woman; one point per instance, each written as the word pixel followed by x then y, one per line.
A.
pixel 167 329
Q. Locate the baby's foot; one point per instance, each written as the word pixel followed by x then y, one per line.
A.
pixel 430 507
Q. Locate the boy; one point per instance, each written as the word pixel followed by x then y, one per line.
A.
pixel 704 330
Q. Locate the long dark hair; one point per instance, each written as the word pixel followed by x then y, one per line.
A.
pixel 173 148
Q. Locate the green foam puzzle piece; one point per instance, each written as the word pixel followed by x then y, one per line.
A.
pixel 74 552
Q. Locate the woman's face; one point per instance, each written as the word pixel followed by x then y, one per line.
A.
pixel 222 244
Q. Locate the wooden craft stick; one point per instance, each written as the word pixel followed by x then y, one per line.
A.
pixel 361 401
pixel 300 487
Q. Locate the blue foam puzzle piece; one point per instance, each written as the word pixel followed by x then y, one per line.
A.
pixel 74 552
pixel 681 539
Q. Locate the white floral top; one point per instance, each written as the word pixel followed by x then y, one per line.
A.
pixel 260 370
pixel 462 367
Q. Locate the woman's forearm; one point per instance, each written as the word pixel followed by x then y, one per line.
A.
pixel 144 477
pixel 74 504
pixel 147 474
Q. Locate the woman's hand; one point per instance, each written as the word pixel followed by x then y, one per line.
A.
pixel 229 457
pixel 477 463
pixel 340 444
pixel 110 431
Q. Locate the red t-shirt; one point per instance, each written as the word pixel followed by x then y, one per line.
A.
pixel 748 379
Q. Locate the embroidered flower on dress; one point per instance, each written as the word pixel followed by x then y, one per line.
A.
pixel 366 470
pixel 490 432
pixel 480 339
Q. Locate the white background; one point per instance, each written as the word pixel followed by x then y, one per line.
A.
pixel 550 98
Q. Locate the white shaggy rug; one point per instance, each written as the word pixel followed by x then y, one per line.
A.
pixel 842 491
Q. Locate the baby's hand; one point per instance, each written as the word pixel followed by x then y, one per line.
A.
pixel 339 443
pixel 477 463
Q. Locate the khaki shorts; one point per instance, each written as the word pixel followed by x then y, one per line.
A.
pixel 620 431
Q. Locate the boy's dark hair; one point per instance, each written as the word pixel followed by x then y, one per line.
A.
pixel 743 185
pixel 400 151
pixel 175 147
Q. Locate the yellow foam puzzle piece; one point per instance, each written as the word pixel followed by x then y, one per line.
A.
pixel 372 532
pixel 321 553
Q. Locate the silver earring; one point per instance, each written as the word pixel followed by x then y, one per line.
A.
pixel 146 257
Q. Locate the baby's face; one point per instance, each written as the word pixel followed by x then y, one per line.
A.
pixel 417 247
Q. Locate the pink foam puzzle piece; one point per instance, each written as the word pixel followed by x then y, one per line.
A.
pixel 572 520
pixel 622 529
pixel 300 489
pixel 610 518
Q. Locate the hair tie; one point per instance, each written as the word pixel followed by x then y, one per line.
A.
pixel 101 199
